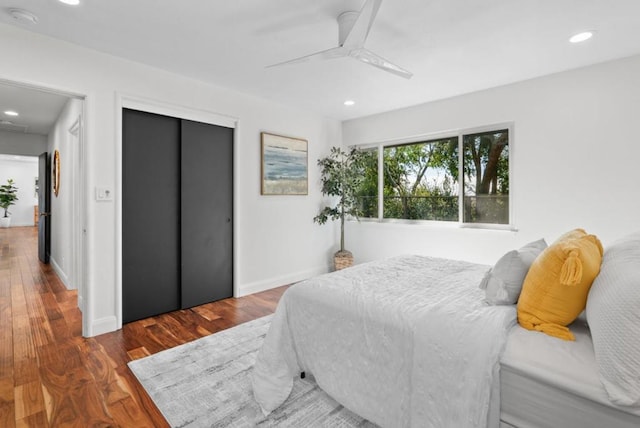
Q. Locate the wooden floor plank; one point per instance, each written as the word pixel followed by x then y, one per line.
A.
pixel 28 399
pixel 6 338
pixel 50 376
pixel 7 404
pixel 36 420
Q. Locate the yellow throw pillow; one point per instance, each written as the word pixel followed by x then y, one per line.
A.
pixel 555 289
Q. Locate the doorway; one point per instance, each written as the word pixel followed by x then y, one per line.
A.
pixel 49 120
pixel 78 209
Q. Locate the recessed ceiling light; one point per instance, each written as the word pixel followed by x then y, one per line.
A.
pixel 11 113
pixel 71 2
pixel 23 16
pixel 349 103
pixel 581 37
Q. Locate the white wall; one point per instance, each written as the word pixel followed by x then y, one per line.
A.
pixel 60 139
pixel 277 242
pixel 23 171
pixel 14 143
pixel 575 157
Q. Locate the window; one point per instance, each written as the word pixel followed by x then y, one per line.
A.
pixel 486 177
pixel 368 192
pixel 458 178
pixel 418 183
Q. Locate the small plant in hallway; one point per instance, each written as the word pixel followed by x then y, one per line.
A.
pixel 8 196
pixel 342 174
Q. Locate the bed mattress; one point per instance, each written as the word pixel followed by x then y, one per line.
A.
pixel 548 382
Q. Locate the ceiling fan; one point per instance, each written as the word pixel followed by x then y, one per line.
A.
pixel 353 29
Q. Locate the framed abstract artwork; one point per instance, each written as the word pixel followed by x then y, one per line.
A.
pixel 284 165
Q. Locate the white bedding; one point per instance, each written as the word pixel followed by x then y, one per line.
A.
pixel 404 342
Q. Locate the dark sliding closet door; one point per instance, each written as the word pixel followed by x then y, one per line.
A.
pixel 177 214
pixel 207 212
pixel 150 214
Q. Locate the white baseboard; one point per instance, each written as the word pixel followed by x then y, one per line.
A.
pixel 258 286
pixel 102 325
pixel 21 224
pixel 61 274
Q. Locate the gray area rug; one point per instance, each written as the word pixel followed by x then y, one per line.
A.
pixel 206 383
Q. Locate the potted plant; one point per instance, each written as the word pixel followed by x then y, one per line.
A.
pixel 342 176
pixel 8 196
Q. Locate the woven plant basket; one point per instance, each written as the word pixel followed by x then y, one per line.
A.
pixel 342 260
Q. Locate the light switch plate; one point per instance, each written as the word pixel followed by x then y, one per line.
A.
pixel 104 194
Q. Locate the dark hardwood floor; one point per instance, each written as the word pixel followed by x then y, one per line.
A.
pixel 50 376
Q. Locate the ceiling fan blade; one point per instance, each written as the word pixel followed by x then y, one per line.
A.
pixel 364 21
pixel 332 53
pixel 369 57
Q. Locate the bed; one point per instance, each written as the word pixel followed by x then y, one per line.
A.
pixel 366 335
pixel 412 342
pixel 546 382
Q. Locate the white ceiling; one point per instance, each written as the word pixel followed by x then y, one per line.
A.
pixel 451 46
pixel 38 110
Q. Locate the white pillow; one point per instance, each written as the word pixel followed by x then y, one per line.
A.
pixel 613 313
pixel 503 282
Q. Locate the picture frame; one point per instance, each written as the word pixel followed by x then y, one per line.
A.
pixel 284 165
pixel 55 172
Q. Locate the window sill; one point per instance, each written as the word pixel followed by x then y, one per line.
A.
pixel 436 223
pixel 489 226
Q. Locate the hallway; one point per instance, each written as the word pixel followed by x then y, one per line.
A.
pixel 50 376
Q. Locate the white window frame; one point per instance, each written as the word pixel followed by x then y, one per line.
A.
pixel 459 133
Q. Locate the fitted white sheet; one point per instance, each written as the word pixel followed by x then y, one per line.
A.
pixel 549 382
pixel 403 342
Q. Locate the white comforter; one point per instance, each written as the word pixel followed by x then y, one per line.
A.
pixel 404 342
